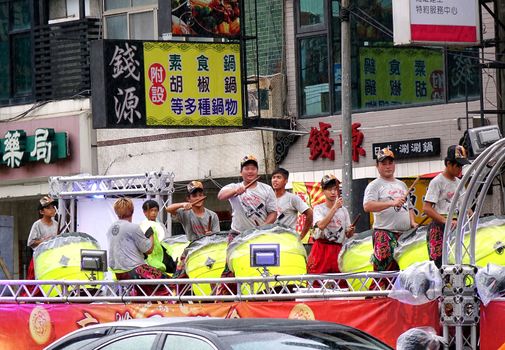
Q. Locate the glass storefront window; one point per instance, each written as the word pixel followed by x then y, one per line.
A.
pixel 463 74
pixel 21 64
pixel 116 27
pixel 314 75
pixel 20 15
pixel 311 12
pixel 116 4
pixel 141 26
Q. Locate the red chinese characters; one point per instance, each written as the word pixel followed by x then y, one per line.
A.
pixel 157 92
pixel 320 142
pixel 357 141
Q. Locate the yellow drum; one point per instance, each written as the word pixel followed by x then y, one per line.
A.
pixel 355 257
pixel 206 258
pixel 412 248
pixel 292 257
pixel 175 245
pixel 60 259
pixel 489 242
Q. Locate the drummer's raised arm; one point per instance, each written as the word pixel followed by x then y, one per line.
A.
pixel 229 191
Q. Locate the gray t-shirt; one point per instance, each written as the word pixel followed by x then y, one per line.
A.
pixel 391 219
pixel 250 209
pixel 288 207
pixel 42 231
pixel 441 192
pixel 338 225
pixel 127 245
pixel 196 226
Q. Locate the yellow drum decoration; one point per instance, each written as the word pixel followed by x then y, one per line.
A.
pixel 489 243
pixel 60 259
pixel 175 245
pixel 293 258
pixel 355 257
pixel 206 258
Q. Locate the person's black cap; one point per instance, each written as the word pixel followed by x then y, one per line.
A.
pixel 457 154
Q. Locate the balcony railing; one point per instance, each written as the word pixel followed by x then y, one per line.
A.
pixel 62 58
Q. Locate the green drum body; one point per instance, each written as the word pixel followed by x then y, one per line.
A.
pixel 355 257
pixel 60 259
pixel 206 258
pixel 412 248
pixel 175 245
pixel 292 258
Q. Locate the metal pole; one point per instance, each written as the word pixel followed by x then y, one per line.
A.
pixel 346 105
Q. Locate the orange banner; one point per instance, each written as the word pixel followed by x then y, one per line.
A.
pixel 35 326
pixel 492 318
pixel 383 318
pixel 312 194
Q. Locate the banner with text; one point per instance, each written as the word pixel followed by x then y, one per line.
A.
pixel 396 76
pixel 165 84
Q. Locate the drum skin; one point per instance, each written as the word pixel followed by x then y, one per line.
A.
pixel 206 262
pixel 355 257
pixel 60 259
pixel 293 260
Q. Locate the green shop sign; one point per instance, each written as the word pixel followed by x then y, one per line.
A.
pixel 16 149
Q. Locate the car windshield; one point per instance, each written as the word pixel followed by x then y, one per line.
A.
pixel 327 340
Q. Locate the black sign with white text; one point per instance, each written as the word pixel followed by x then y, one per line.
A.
pixel 410 148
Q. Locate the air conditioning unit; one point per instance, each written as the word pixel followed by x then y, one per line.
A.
pixel 478 139
pixel 268 101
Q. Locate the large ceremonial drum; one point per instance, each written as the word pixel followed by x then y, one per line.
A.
pixel 355 257
pixel 60 259
pixel 206 258
pixel 489 242
pixel 175 245
pixel 412 248
pixel 292 255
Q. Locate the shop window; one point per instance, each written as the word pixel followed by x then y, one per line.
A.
pixel 382 75
pixel 15 52
pixel 131 19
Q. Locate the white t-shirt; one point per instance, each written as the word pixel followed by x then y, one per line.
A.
pixel 250 209
pixel 42 231
pixel 441 192
pixel 339 223
pixel 391 219
pixel 127 245
pixel 288 207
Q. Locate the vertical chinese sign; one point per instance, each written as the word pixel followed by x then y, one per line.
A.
pixel 390 76
pixel 166 84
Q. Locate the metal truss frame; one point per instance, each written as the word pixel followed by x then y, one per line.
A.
pixel 190 290
pixel 460 303
pixel 153 185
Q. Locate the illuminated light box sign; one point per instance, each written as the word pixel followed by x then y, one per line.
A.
pixel 138 84
pixel 445 22
pixel 46 146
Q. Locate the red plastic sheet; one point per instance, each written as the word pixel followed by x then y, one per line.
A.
pixel 492 319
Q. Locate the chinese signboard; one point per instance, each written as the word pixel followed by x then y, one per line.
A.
pixel 436 22
pixel 16 148
pixel 320 143
pixel 164 84
pixel 216 18
pixel 392 76
pixel 410 148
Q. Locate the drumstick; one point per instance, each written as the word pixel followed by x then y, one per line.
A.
pixel 355 220
pixel 412 186
pixel 198 200
pixel 252 182
pixel 209 226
